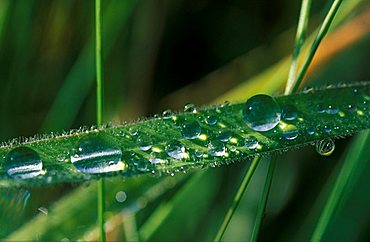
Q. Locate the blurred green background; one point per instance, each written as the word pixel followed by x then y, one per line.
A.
pixel 162 54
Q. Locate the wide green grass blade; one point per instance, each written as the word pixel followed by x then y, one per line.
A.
pixel 320 115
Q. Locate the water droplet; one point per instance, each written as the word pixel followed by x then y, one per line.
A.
pixel 310 131
pixel 211 119
pixel 224 135
pixel 216 148
pixel 325 147
pixel 121 196
pixel 145 142
pixel 133 131
pixel 176 150
pixel 190 108
pixel 167 114
pixel 251 142
pixel 191 129
pixel 261 112
pixel 327 129
pixel 98 155
pixel 289 112
pixel 157 158
pixel 307 89
pixel 23 163
pixel 352 108
pixel 290 132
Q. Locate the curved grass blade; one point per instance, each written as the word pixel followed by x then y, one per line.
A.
pixel 207 137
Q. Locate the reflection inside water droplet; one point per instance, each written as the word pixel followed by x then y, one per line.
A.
pixel 176 150
pixel 23 163
pixel 190 128
pixel 216 148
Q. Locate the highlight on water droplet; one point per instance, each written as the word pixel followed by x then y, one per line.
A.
pixel 216 148
pixel 224 135
pixel 261 113
pixel 211 119
pixel 176 150
pixel 190 128
pixel 98 155
pixel 23 163
pixel 325 147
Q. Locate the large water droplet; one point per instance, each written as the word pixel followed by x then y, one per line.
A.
pixel 216 148
pixel 325 147
pixel 145 142
pixel 261 112
pixel 176 150
pixel 98 155
pixel 251 142
pixel 23 163
pixel 191 129
pixel 290 132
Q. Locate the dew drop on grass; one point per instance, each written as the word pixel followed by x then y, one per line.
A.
pixel 290 132
pixel 167 114
pixel 261 112
pixel 190 129
pixel 145 142
pixel 211 119
pixel 43 210
pixel 224 135
pixel 23 163
pixel 251 142
pixel 98 155
pixel 325 147
pixel 176 150
pixel 289 112
pixel 190 108
pixel 216 148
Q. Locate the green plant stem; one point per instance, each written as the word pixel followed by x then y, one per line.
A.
pixel 99 109
pixel 263 202
pixel 299 41
pixel 320 35
pixel 239 194
pixel 346 173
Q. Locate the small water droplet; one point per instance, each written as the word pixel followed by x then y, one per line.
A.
pixel 190 108
pixel 224 135
pixel 176 150
pixel 331 110
pixel 121 196
pixel 133 131
pixel 289 112
pixel 307 89
pixel 216 148
pixel 352 108
pixel 261 112
pixel 251 142
pixel 98 155
pixel 327 129
pixel 191 129
pixel 325 147
pixel 211 119
pixel 145 142
pixel 290 132
pixel 23 163
pixel 167 114
pixel 310 131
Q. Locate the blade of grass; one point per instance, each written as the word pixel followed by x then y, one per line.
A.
pixel 239 194
pixel 349 166
pixel 299 41
pixel 319 37
pixel 262 203
pixel 99 108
